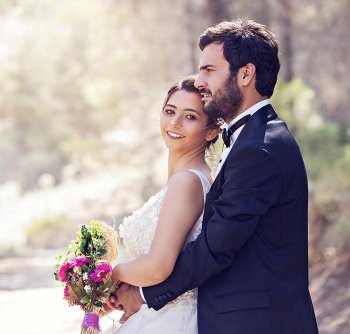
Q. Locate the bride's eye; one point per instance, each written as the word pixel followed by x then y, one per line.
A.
pixel 191 117
pixel 168 111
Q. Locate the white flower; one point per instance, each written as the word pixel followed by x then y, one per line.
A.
pixel 87 288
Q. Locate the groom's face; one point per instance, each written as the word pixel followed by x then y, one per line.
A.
pixel 220 93
pixel 214 71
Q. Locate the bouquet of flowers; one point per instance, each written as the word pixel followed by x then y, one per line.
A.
pixel 85 271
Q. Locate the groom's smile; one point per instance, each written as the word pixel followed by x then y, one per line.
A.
pixel 206 94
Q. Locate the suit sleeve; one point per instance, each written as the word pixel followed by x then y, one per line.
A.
pixel 252 185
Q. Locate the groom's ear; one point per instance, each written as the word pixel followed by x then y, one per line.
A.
pixel 246 74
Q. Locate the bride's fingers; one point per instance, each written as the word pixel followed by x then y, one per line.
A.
pixel 101 313
pixel 106 310
pixel 125 317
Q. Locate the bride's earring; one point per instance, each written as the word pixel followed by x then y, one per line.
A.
pixel 220 121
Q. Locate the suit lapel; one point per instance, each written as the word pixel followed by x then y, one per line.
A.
pixel 262 116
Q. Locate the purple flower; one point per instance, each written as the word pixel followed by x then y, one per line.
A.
pixel 79 261
pixel 100 272
pixel 66 293
pixel 63 271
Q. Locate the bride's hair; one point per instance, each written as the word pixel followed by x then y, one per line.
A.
pixel 187 84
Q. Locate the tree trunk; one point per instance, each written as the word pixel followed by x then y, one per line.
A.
pixel 191 39
pixel 216 11
pixel 286 37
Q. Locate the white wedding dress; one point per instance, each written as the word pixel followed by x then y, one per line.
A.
pixel 137 231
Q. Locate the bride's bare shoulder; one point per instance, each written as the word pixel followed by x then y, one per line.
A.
pixel 184 179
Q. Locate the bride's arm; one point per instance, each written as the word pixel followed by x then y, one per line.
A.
pixel 182 206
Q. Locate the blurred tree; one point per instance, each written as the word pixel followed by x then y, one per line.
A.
pixel 216 11
pixel 321 30
pixel 326 154
pixel 285 20
pixel 75 73
pixel 42 95
pixel 191 38
pixel 72 71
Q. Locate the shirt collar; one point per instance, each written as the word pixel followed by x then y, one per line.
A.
pixel 250 111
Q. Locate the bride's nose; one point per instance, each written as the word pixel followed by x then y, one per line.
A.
pixel 176 122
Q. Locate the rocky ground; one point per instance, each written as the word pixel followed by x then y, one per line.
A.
pixel 31 301
pixel 330 290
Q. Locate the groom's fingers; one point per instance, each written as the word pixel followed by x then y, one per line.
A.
pixel 112 299
pixel 111 302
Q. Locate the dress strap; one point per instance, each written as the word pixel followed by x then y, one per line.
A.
pixel 204 180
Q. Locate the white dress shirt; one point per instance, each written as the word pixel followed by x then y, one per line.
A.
pixel 251 111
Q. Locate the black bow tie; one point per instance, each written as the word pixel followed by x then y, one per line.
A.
pixel 227 133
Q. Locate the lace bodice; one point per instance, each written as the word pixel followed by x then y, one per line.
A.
pixel 137 230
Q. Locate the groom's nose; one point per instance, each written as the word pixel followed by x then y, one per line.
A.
pixel 199 82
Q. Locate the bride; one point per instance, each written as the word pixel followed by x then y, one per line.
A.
pixel 155 234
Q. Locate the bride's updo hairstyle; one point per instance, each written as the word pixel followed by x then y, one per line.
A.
pixel 187 84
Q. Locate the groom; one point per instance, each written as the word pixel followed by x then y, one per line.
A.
pixel 250 262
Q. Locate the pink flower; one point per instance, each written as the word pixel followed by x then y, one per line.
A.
pixel 66 293
pixel 79 261
pixel 100 272
pixel 62 272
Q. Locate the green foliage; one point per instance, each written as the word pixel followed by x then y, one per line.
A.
pixel 48 233
pixel 98 304
pixel 71 69
pixel 320 141
pixel 43 224
pixel 56 97
pixel 91 240
pixel 85 299
pixel 326 152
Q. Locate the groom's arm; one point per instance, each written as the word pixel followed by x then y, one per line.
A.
pixel 252 185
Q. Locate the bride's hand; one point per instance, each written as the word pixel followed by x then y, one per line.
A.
pixel 106 309
pixel 115 275
pixel 110 304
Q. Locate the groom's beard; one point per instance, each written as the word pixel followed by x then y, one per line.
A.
pixel 226 102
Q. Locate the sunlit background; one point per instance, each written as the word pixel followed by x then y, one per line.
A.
pixel 81 88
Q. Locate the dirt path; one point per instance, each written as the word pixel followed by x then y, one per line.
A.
pixel 40 311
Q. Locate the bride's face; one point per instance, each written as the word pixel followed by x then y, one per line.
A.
pixel 183 123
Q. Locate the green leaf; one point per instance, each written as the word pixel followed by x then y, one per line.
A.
pixel 100 252
pixel 84 300
pixel 83 246
pixel 98 304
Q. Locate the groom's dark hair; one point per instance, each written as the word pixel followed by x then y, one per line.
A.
pixel 246 41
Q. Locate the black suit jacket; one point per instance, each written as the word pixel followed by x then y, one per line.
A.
pixel 250 262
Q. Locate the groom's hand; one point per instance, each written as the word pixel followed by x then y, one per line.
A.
pixel 129 297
